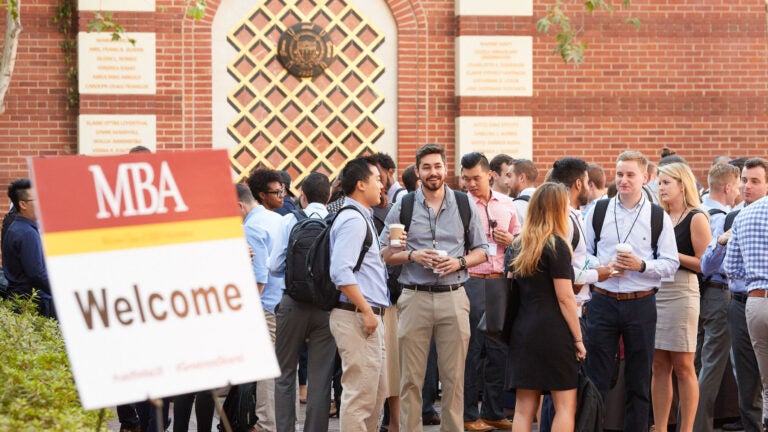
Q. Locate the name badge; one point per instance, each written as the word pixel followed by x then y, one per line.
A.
pixel 492 247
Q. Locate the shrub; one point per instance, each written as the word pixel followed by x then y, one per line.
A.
pixel 38 391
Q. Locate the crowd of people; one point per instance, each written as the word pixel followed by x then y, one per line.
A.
pixel 656 269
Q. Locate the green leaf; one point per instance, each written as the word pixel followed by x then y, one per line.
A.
pixel 634 21
pixel 542 25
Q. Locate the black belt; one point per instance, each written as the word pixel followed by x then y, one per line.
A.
pixel 434 288
pixel 719 285
pixel 739 297
pixel 351 307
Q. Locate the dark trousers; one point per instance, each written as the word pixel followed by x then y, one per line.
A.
pixel 747 372
pixel 635 321
pixel 127 415
pixel 494 364
pixel 148 415
pixel 296 323
pixel 182 411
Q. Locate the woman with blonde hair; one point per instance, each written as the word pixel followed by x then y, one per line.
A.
pixel 677 302
pixel 546 342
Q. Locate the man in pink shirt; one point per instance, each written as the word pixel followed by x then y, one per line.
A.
pixel 499 217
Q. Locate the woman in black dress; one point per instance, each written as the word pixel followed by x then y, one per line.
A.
pixel 546 342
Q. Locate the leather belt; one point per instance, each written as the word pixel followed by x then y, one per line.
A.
pixel 758 293
pixel 624 296
pixel 351 307
pixel 487 276
pixel 719 285
pixel 742 298
pixel 434 288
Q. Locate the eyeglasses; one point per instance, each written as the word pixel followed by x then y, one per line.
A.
pixel 277 192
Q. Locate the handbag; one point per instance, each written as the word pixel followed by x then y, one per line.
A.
pixel 501 307
pixel 590 410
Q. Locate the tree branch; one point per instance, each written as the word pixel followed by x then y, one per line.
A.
pixel 10 44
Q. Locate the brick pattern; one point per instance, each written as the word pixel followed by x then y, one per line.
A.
pixel 692 78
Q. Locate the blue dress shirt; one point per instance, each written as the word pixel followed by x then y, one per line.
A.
pixel 746 257
pixel 23 258
pixel 263 232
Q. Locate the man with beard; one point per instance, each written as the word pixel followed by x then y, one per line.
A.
pixel 521 181
pixel 433 302
pixel 499 166
pixel 388 171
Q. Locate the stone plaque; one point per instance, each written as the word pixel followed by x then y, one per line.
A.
pixel 495 7
pixel 115 134
pixel 494 66
pixel 117 5
pixel 116 67
pixel 495 135
pixel 306 50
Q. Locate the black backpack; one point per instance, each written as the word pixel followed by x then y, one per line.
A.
pixel 657 223
pixel 525 198
pixel 590 410
pixel 303 234
pixel 729 218
pixel 240 408
pixel 318 264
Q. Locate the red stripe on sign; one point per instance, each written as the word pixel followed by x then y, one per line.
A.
pixel 86 192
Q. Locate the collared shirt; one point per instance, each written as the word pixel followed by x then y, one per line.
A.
pixel 709 268
pixel 277 257
pixel 499 208
pixel 591 204
pixel 746 257
pixel 522 205
pixel 346 241
pixel 23 258
pixel 633 226
pixel 263 233
pixel 712 261
pixel 583 268
pixel 441 231
pixel 393 190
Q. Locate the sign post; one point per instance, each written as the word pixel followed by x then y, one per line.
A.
pixel 150 275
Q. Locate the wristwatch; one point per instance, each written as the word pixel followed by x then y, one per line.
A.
pixel 462 263
pixel 642 266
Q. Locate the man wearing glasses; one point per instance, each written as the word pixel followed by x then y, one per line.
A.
pixel 263 231
pixel 23 251
pixel 499 218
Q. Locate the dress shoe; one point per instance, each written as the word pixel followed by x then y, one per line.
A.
pixel 501 424
pixel 433 419
pixel 735 426
pixel 477 425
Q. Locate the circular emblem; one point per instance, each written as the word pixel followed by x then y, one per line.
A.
pixel 305 50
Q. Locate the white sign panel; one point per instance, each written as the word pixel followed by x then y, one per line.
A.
pixel 494 66
pixel 117 5
pixel 115 134
pixel 116 67
pixel 151 274
pixel 495 135
pixel 495 7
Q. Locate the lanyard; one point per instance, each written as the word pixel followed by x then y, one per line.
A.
pixel 433 229
pixel 616 220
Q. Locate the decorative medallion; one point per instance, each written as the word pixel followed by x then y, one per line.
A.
pixel 305 50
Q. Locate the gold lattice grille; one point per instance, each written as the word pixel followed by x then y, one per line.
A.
pixel 304 125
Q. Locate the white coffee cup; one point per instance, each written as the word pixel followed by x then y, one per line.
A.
pixel 441 253
pixel 395 231
pixel 623 248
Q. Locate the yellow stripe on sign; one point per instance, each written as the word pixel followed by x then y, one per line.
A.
pixel 141 236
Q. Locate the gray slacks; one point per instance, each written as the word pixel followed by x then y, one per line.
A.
pixel 747 372
pixel 712 346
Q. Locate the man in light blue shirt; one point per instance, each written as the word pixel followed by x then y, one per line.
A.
pixel 263 231
pixel 754 186
pixel 298 322
pixel 625 304
pixel 356 322
pixel 714 340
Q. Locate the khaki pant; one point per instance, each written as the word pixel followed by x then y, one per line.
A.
pixel 265 390
pixel 422 315
pixel 364 372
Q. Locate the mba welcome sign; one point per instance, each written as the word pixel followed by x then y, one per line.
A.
pixel 151 275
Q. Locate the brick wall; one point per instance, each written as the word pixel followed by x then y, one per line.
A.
pixel 692 78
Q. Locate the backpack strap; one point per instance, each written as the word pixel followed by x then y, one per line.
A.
pixel 729 218
pixel 576 236
pixel 657 224
pixel 368 237
pixel 465 212
pixel 406 209
pixel 299 214
pixel 598 217
pixel 397 194
pixel 714 211
pixel 525 198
